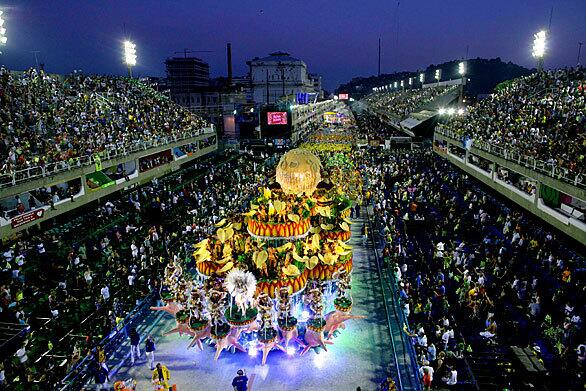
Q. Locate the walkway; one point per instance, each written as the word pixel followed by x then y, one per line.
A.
pixel 359 357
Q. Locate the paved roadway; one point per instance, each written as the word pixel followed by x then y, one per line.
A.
pixel 359 357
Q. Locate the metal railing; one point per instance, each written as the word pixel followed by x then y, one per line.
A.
pixel 410 351
pixel 15 177
pixel 80 374
pixel 550 168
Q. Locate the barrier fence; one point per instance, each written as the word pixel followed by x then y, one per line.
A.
pixel 409 354
pixel 15 177
pixel 549 168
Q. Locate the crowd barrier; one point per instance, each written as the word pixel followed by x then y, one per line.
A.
pixel 546 168
pixel 408 348
pixel 16 177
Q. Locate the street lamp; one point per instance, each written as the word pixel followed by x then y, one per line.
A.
pixel 539 42
pixel 129 56
pixel 3 38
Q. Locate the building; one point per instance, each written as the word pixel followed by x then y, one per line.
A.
pixel 279 77
pixel 316 81
pixel 186 74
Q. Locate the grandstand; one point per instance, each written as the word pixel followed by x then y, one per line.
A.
pixel 82 137
pixel 529 133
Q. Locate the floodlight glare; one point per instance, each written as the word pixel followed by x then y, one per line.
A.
pixel 462 68
pixel 539 40
pixel 460 111
pixel 129 53
pixel 442 111
pixel 451 111
pixel 3 38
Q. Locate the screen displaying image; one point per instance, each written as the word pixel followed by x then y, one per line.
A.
pixel 277 118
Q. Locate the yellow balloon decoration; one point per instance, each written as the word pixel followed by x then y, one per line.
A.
pixel 299 172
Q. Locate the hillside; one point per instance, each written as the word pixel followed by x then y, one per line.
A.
pixel 484 75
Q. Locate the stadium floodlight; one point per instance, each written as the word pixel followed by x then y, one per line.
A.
pixel 410 81
pixel 421 77
pixel 3 38
pixel 395 84
pixel 539 46
pixel 460 111
pixel 441 111
pixel 462 68
pixel 129 56
pixel 451 111
pixel 402 83
pixel 438 75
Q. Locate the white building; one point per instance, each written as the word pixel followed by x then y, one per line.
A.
pixel 280 75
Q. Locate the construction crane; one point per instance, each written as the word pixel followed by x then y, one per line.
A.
pixel 185 51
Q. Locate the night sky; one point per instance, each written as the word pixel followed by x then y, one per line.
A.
pixel 336 38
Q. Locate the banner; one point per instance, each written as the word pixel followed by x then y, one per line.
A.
pixel 27 218
pixel 550 196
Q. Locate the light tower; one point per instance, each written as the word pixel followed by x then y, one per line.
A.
pixel 129 56
pixel 3 38
pixel 438 75
pixel 462 73
pixel 422 78
pixel 539 46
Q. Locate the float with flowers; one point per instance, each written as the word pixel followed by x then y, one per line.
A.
pixel 262 280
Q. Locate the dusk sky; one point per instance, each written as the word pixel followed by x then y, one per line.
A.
pixel 337 39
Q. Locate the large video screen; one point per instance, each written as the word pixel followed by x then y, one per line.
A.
pixel 277 118
pixel 343 96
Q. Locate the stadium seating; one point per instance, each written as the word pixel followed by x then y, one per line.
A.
pixel 540 116
pixel 47 119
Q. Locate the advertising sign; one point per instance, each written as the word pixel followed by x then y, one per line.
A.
pixel 27 218
pixel 343 96
pixel 277 118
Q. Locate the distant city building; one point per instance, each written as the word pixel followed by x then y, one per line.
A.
pixel 316 81
pixel 186 74
pixel 279 76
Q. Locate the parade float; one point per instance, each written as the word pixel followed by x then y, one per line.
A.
pixel 265 279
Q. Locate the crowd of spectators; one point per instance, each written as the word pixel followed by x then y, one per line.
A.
pixel 474 274
pixel 399 104
pixel 92 278
pixel 542 116
pixel 50 118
